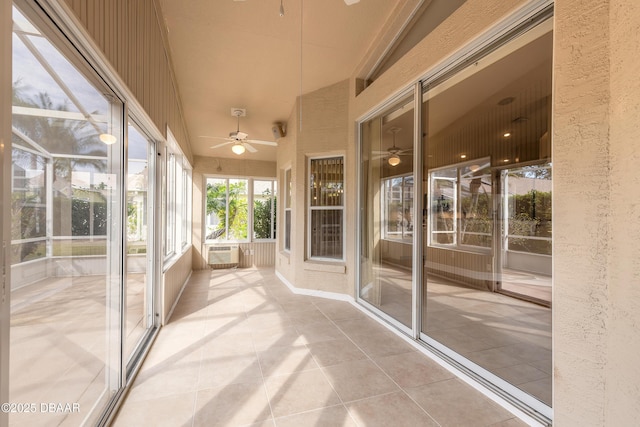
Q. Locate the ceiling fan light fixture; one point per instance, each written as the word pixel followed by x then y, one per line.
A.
pixel 394 160
pixel 238 148
pixel 107 138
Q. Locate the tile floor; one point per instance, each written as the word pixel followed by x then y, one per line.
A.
pixel 242 350
pixel 507 336
pixel 58 346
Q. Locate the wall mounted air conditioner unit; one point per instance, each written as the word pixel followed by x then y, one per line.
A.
pixel 223 256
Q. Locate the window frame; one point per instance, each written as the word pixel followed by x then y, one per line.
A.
pixel 287 196
pixel 311 209
pixel 273 197
pixel 457 206
pixel 250 205
pixel 405 236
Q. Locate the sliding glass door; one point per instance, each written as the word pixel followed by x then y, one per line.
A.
pixel 483 213
pixel 388 223
pixel 140 238
pixel 82 232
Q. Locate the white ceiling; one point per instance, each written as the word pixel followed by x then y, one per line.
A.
pixel 241 53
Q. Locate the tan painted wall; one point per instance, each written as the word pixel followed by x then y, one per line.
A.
pixel 320 130
pixel 210 166
pixel 173 280
pixel 597 228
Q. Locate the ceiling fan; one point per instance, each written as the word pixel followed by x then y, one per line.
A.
pixel 239 139
pixel 393 153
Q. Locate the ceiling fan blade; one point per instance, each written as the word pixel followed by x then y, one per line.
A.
pixel 241 135
pixel 249 147
pixel 213 137
pixel 259 142
pixel 223 144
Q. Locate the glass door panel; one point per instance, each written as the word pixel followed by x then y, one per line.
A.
pixel 486 156
pixel 139 297
pixel 66 232
pixel 388 211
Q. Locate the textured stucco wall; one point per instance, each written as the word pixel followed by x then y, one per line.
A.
pixel 622 401
pixel 596 213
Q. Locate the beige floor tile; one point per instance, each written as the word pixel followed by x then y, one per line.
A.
pixel 324 330
pixel 333 352
pixel 165 380
pixel 513 422
pixel 493 359
pixel 381 344
pixel 227 344
pixel 232 405
pixel 172 411
pixel 335 416
pixel 285 360
pixel 276 337
pixel 540 389
pixel 360 326
pixel 395 409
pixel 359 379
pixel 520 374
pixel 300 392
pixel 312 315
pixel 339 310
pixel 454 403
pixel 231 369
pixel 412 369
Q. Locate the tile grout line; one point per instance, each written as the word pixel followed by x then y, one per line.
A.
pixel 380 368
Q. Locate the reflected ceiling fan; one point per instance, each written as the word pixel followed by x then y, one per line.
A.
pixel 238 140
pixel 393 153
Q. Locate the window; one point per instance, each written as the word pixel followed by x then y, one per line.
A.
pixel 176 199
pixel 461 205
pixel 186 205
pixel 326 208
pixel 287 210
pixel 227 209
pixel 398 208
pixel 264 210
pixel 170 230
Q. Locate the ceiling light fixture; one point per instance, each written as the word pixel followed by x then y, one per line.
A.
pixel 463 156
pixel 507 134
pixel 238 148
pixel 107 138
pixel 281 9
pixel 394 160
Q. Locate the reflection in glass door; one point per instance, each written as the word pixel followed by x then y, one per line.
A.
pixel 66 230
pixel 526 241
pixel 139 283
pixel 388 215
pixel 488 192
